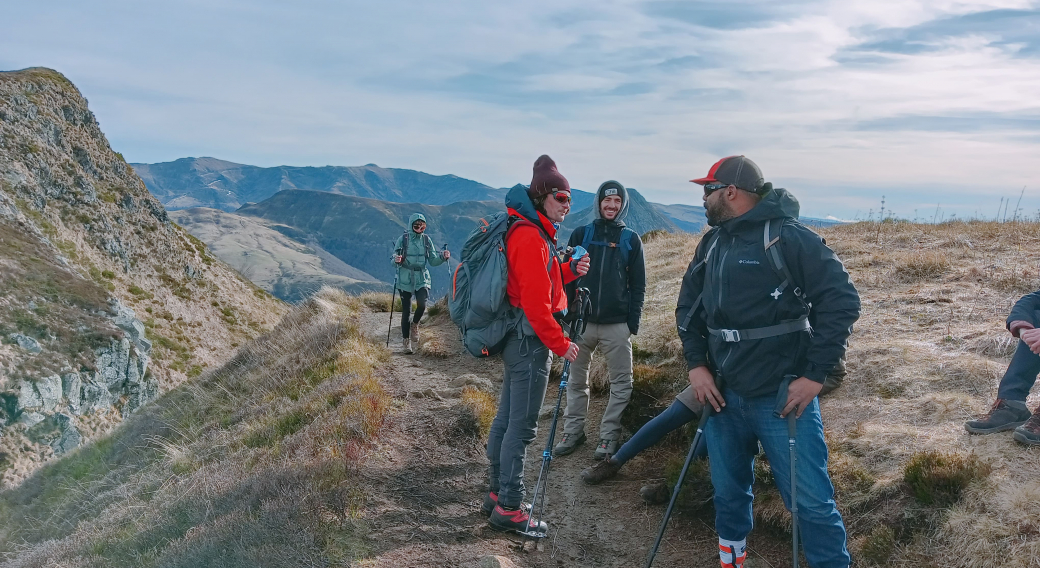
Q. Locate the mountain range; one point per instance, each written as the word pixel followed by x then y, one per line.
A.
pixel 218 184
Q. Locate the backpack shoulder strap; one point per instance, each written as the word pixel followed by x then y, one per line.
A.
pixel 429 244
pixel 586 240
pixel 625 242
pixel 771 232
pixel 696 268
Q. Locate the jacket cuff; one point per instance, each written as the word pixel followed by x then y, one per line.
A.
pixel 815 375
pixel 694 362
pixel 1017 326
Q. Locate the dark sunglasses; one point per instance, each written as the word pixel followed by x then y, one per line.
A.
pixel 710 188
pixel 561 197
pixel 418 224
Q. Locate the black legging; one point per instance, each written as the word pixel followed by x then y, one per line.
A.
pixel 421 295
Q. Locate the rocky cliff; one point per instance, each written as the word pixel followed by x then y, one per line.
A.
pixel 104 302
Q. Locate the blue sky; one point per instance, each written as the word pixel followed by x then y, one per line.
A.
pixel 932 104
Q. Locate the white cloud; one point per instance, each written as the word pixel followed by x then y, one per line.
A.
pixel 637 91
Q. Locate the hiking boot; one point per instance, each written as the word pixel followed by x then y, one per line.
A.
pixel 1029 433
pixel 1005 415
pixel 605 449
pixel 518 521
pixel 490 500
pixel 406 346
pixel 600 472
pixel 569 443
pixel 655 493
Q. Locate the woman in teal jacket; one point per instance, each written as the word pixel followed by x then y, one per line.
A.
pixel 413 252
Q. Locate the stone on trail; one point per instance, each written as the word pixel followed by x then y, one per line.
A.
pixel 496 562
pixel 471 380
pixel 26 342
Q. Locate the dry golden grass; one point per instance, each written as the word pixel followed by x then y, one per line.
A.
pixel 927 354
pixel 254 464
pixel 481 407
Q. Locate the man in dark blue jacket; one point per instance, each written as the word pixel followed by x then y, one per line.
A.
pixel 1010 410
pixel 743 320
pixel 617 282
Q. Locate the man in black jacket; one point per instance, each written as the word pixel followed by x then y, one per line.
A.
pixel 745 320
pixel 1010 410
pixel 617 281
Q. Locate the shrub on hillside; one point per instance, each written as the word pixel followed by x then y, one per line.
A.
pixel 939 478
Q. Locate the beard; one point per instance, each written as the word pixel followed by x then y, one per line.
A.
pixel 718 213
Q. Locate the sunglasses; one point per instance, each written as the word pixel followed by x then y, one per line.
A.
pixel 710 188
pixel 561 197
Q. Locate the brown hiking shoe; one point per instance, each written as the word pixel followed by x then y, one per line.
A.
pixel 1005 415
pixel 600 472
pixel 1029 433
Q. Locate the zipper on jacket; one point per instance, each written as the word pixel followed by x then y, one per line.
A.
pixel 722 266
pixel 599 286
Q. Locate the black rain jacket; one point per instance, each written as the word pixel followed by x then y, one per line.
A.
pixel 617 289
pixel 738 285
pixel 1027 308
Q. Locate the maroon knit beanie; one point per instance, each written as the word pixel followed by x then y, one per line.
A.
pixel 547 178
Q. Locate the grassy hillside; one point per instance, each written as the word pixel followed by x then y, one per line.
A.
pixel 252 465
pixel 361 231
pixel 288 269
pixel 927 354
pixel 82 243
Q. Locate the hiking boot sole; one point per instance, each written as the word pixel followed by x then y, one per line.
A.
pixel 1025 439
pixel 993 429
pixel 530 534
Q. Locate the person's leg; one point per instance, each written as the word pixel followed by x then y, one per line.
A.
pixel 820 525
pixel 421 295
pixel 1009 411
pixel 1021 374
pixel 674 417
pixel 617 346
pixel 497 433
pixel 731 451
pixel 578 383
pixel 527 365
pixel 406 309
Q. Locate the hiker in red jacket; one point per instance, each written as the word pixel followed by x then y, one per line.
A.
pixel 536 279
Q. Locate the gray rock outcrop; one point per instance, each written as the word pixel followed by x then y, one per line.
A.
pixel 26 342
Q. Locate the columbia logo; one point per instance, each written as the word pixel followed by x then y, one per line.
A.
pixel 748 261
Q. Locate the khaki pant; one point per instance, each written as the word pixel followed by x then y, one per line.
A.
pixel 615 341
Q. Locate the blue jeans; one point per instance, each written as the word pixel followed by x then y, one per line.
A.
pixel 732 444
pixel 526 361
pixel 674 417
pixel 1020 375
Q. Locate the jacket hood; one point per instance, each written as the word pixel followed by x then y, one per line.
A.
pixel 519 202
pixel 777 203
pixel 416 217
pixel 620 218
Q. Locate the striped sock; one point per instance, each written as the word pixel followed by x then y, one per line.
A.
pixel 732 552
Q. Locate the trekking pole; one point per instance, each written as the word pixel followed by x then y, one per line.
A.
pixel 708 411
pixel 448 266
pixel 393 298
pixel 792 431
pixel 577 329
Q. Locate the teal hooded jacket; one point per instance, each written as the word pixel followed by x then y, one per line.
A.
pixel 412 274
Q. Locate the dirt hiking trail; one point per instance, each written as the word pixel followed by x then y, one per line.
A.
pixel 430 480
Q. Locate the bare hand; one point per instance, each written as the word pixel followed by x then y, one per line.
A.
pixel 1032 339
pixel 446 255
pixel 572 352
pixel 398 258
pixel 801 392
pixel 582 266
pixel 703 384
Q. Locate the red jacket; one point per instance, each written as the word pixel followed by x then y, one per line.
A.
pixel 532 288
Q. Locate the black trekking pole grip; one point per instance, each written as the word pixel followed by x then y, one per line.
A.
pixel 707 412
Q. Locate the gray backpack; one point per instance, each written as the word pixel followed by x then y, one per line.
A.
pixel 478 304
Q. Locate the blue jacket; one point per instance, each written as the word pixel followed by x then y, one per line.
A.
pixel 412 273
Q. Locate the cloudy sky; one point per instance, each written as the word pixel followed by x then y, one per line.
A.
pixel 933 104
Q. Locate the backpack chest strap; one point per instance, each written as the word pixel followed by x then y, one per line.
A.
pixel 735 335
